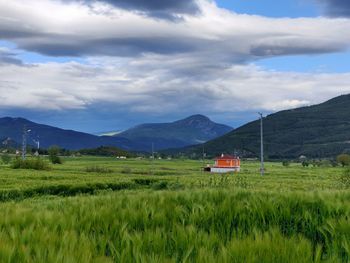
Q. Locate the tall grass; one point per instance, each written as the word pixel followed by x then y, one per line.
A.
pixel 98 169
pixel 35 164
pixel 172 212
pixel 197 226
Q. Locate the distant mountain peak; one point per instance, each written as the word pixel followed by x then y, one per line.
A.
pixel 199 117
pixel 188 131
pixel 195 120
pixel 315 131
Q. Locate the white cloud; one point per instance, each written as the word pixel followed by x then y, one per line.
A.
pixel 151 65
pixel 163 87
pixel 61 28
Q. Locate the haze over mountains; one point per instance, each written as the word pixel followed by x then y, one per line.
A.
pixel 192 130
pixel 316 131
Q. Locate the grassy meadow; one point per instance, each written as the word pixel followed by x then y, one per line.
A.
pixel 92 209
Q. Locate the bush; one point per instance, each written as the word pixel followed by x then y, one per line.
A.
pixel 305 164
pixel 35 164
pixel 285 163
pixel 98 169
pixel 6 158
pixel 343 159
pixel 160 185
pixel 334 163
pixel 53 155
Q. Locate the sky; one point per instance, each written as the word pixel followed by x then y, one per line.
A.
pixel 107 65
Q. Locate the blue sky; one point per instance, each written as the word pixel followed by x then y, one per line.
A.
pixel 273 8
pixel 85 70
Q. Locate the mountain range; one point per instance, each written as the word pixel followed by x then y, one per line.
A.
pixel 321 130
pixel 194 129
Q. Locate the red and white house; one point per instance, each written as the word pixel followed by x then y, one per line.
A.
pixel 225 164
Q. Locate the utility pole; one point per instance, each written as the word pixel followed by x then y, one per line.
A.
pixel 261 145
pixel 203 155
pixel 152 158
pixel 24 142
pixel 37 142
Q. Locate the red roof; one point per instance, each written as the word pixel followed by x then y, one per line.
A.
pixel 226 157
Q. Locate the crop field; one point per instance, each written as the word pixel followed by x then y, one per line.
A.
pixel 92 209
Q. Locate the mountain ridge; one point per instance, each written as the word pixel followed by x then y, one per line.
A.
pixel 188 131
pixel 321 130
pixel 74 140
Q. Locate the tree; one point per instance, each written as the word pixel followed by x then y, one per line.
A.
pixel 343 159
pixel 305 163
pixel 54 155
pixel 6 158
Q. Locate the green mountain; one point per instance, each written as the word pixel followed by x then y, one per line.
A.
pixel 316 131
pixel 192 130
pixel 11 129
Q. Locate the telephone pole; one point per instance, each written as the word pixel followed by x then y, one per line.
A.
pixel 261 145
pixel 152 158
pixel 24 142
pixel 203 156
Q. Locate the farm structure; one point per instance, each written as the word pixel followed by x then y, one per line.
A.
pixel 225 164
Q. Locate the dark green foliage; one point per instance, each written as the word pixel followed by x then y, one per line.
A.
pixel 334 163
pixel 98 169
pixel 6 158
pixel 54 155
pixel 316 132
pixel 343 159
pixel 105 151
pixel 305 163
pixel 35 164
pixel 316 163
pixel 160 185
pixel 142 181
pixel 63 190
pixel 286 163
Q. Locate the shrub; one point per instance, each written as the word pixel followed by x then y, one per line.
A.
pixel 343 159
pixel 6 158
pixel 35 164
pixel 98 169
pixel 316 163
pixel 160 185
pixel 305 164
pixel 334 163
pixel 144 181
pixel 53 155
pixel 285 163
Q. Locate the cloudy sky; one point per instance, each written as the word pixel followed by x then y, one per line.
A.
pixel 107 65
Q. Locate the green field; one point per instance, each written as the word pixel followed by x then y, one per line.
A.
pixel 170 211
